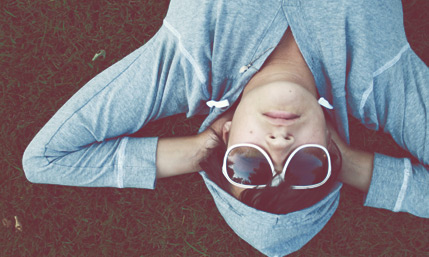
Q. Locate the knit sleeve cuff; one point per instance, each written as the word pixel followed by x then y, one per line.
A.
pixel 137 163
pixel 389 182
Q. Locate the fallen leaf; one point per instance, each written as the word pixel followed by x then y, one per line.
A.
pixel 100 53
pixel 18 225
pixel 7 223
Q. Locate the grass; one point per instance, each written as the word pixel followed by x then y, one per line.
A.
pixel 46 52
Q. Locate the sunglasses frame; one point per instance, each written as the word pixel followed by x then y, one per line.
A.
pixel 277 179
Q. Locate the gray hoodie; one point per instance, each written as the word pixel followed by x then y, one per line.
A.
pixel 198 63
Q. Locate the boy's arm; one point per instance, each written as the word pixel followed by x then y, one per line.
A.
pixel 357 165
pixel 181 155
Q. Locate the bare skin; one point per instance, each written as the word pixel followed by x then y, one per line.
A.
pixel 283 84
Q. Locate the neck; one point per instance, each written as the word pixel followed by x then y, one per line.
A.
pixel 285 63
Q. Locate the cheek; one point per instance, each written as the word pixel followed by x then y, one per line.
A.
pixel 250 135
pixel 319 136
pixel 246 134
pixel 317 128
pixel 240 133
pixel 245 128
pixel 314 135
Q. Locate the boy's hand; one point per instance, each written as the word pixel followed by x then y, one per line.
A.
pixel 357 166
pixel 181 155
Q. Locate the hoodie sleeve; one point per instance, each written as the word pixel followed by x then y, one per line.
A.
pixel 86 142
pixel 400 102
pixel 399 186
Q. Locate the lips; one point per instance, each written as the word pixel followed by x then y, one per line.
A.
pixel 281 118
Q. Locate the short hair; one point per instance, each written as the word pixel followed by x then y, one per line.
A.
pixel 281 199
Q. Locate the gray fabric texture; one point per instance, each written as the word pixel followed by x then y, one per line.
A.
pixel 360 59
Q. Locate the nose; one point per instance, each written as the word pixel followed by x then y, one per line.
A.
pixel 279 140
pixel 279 145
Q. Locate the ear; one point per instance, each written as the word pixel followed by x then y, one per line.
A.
pixel 225 131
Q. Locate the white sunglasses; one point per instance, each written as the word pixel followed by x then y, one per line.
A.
pixel 248 166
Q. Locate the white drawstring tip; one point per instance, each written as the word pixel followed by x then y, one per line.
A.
pixel 323 102
pixel 218 104
pixel 244 69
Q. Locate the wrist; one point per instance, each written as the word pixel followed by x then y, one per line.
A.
pixel 181 155
pixel 357 168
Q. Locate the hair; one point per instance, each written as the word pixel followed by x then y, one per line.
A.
pixel 279 199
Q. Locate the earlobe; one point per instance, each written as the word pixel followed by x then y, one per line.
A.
pixel 225 131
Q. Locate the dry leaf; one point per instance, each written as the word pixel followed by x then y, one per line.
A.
pixel 100 53
pixel 7 223
pixel 18 225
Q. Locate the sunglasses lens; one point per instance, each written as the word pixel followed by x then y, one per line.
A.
pixel 309 166
pixel 248 166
